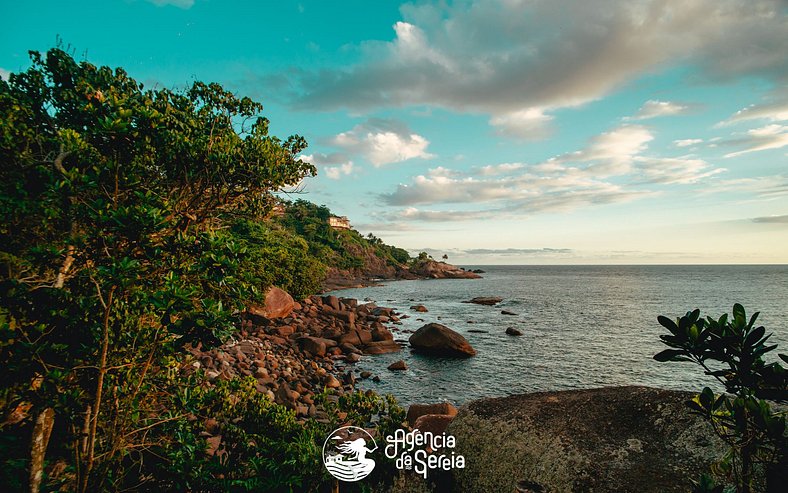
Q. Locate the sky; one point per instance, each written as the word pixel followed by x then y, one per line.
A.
pixel 496 132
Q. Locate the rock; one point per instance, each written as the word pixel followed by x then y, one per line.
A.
pixel 440 340
pixel 376 379
pixel 353 358
pixel 615 439
pixel 478 331
pixel 312 345
pixel 434 423
pixel 513 332
pixel 366 374
pixel 284 330
pixel 432 269
pixel 417 410
pixel 398 365
pixel 332 383
pixel 419 308
pixel 344 315
pixel 331 301
pixel 212 445
pixel 382 334
pixel 277 304
pixel 382 347
pixel 478 271
pixel 507 312
pixel 485 300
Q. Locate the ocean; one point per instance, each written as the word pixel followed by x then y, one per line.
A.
pixel 583 326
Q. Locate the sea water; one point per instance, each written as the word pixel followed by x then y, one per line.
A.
pixel 583 326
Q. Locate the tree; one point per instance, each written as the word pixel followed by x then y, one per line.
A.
pixel 113 253
pixel 732 352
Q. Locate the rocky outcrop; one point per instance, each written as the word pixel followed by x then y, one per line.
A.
pixel 617 439
pixel 296 355
pixel 440 340
pixel 432 269
pixel 277 304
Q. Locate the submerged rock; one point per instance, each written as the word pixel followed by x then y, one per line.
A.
pixel 485 300
pixel 616 439
pixel 513 332
pixel 440 340
pixel 398 365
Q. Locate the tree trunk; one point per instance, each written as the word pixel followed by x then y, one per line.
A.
pixel 38 449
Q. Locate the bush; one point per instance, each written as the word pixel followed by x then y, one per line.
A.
pixel 732 352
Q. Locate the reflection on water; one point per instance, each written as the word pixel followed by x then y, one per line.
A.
pixel 583 326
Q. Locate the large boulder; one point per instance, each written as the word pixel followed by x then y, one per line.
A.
pixel 615 439
pixel 415 411
pixel 277 304
pixel 440 340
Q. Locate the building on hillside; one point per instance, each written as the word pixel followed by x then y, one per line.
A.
pixel 278 210
pixel 339 222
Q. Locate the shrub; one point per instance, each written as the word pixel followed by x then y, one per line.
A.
pixel 732 352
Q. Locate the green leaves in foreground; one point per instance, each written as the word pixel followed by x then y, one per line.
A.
pixel 732 350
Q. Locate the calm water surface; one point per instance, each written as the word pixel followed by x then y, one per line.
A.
pixel 583 326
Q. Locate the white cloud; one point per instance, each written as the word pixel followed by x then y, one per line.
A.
pixel 383 142
pixel 774 111
pixel 529 124
pixel 772 136
pixel 654 108
pixel 566 182
pixel 687 142
pixel 334 165
pixel 336 172
pixel 520 61
pixel 183 4
pixel 611 153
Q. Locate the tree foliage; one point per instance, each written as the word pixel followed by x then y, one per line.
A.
pixel 114 201
pixel 732 351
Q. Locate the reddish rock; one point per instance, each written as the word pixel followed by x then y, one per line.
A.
pixel 513 332
pixel 277 304
pixel 398 365
pixel 417 410
pixel 343 315
pixel 382 347
pixel 419 308
pixel 331 301
pixel 382 334
pixel 312 345
pixel 440 340
pixel 284 330
pixel 434 423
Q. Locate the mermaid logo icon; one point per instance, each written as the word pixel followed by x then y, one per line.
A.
pixel 345 453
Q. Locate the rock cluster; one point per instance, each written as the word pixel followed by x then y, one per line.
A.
pixel 295 352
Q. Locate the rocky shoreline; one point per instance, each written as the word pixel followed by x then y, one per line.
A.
pixel 337 279
pixel 295 350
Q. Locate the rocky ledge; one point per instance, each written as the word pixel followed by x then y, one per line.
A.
pixel 294 349
pixel 616 439
pixel 432 269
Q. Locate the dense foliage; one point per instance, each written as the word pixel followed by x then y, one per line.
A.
pixel 340 248
pixel 732 351
pixel 131 224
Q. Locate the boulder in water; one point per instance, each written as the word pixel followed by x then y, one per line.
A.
pixel 440 340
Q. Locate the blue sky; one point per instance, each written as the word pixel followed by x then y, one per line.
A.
pixel 496 132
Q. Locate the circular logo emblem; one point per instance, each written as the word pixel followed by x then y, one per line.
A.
pixel 345 453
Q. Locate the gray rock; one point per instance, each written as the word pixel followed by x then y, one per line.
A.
pixel 617 439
